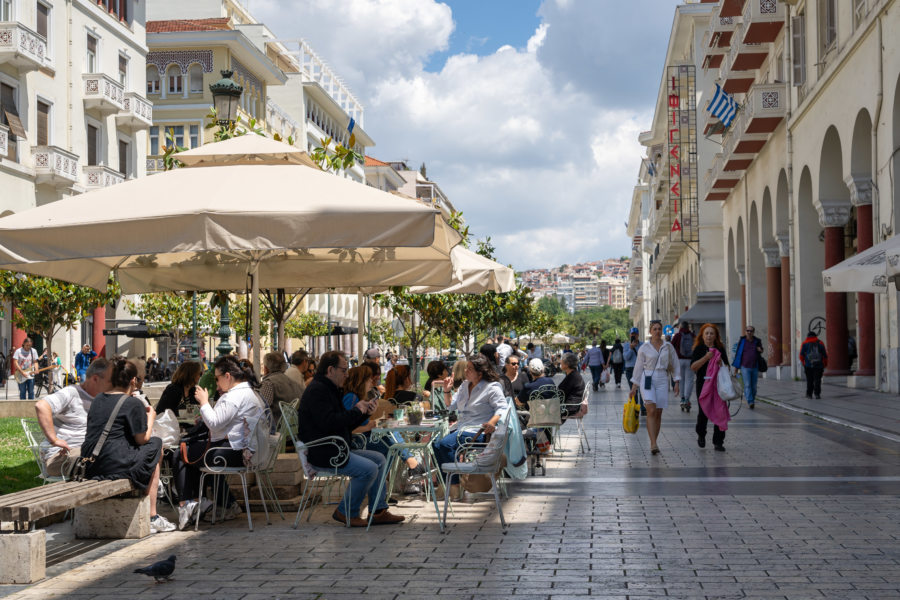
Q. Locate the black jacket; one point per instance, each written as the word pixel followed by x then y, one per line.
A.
pixel 321 414
pixel 572 386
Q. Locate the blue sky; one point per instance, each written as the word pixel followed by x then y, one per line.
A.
pixel 483 26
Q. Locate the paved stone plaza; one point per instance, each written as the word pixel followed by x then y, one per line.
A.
pixel 796 508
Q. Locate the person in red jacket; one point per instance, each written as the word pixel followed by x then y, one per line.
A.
pixel 814 359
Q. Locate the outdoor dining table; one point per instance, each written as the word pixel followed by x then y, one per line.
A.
pixel 415 438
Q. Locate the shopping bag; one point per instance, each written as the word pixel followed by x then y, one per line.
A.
pixel 543 442
pixel 728 388
pixel 631 412
pixel 604 377
pixel 165 427
pixel 544 412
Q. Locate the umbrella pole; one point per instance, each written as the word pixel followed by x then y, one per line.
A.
pixel 254 315
pixel 360 326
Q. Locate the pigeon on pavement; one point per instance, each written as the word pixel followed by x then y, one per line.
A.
pixel 160 571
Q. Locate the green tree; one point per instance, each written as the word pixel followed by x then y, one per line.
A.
pixel 301 325
pixel 172 313
pixel 45 306
pixel 552 305
pixel 339 159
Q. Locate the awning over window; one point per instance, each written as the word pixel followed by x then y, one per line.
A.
pixel 710 308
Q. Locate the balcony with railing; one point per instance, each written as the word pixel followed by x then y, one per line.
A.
pixel 763 110
pixel 717 40
pixel 4 140
pixel 54 166
pixel 24 49
pixel 155 164
pixel 718 182
pixel 103 93
pixel 136 113
pixel 763 20
pixel 731 8
pixel 101 176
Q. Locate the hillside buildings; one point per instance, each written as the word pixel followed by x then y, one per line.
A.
pixel 585 285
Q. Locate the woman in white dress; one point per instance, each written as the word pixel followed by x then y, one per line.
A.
pixel 656 361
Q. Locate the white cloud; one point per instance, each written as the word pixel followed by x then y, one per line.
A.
pixel 532 155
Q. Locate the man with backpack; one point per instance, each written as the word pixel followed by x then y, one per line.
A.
pixel 814 359
pixel 617 361
pixel 746 358
pixel 684 348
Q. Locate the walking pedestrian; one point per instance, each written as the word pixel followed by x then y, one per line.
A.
pixel 746 358
pixel 595 360
pixel 699 362
pixel 24 360
pixel 684 343
pixel 814 358
pixel 617 361
pixel 630 353
pixel 83 359
pixel 656 361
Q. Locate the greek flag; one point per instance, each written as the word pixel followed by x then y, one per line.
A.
pixel 651 168
pixel 723 106
pixel 351 125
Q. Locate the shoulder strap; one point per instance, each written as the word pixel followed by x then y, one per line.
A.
pixel 109 423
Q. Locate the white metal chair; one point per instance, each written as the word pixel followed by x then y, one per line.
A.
pixel 576 412
pixel 315 475
pixel 480 458
pixel 263 445
pixel 37 442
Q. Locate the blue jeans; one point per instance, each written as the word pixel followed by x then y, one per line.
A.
pixel 445 449
pixel 596 372
pixel 26 389
pixel 750 376
pixel 365 469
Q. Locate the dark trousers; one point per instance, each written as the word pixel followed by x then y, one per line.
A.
pixel 617 371
pixel 814 380
pixel 702 421
pixel 187 477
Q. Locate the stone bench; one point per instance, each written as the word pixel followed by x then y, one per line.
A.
pixel 101 513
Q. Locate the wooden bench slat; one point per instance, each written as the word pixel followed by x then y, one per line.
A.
pixel 26 496
pixel 62 496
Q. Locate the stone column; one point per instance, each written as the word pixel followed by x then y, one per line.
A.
pixel 743 280
pixel 773 303
pixel 861 198
pixel 98 340
pixel 833 216
pixel 784 250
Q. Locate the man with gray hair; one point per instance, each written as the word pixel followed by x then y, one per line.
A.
pixel 296 371
pixel 276 386
pixel 63 416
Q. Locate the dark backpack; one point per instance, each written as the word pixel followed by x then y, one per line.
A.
pixel 814 355
pixel 686 346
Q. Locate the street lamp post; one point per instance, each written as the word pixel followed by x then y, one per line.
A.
pixel 226 95
pixel 195 351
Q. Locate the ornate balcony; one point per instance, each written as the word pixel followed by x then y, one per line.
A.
pixel 731 8
pixel 54 166
pixel 136 113
pixel 103 93
pixel 21 47
pixel 762 111
pixel 4 140
pixel 718 182
pixel 763 21
pixel 717 40
pixel 155 164
pixel 101 176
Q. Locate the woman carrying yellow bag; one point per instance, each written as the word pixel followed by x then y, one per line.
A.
pixel 631 415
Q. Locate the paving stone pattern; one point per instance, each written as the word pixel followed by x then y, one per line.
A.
pixel 795 509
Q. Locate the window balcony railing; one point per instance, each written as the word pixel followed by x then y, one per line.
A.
pixel 136 113
pixel 54 166
pixel 764 108
pixel 101 176
pixel 103 93
pixel 155 164
pixel 24 49
pixel 763 20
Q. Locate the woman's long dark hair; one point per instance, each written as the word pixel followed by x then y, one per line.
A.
pixel 123 372
pixel 240 369
pixel 481 365
pixel 396 377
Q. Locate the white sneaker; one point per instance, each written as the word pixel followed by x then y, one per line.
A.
pixel 159 524
pixel 185 512
pixel 205 505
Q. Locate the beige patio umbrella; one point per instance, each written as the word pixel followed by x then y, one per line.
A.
pixel 209 228
pixel 473 274
pixel 248 149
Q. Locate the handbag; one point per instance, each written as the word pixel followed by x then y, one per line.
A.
pixel 196 437
pixel 544 412
pixel 761 364
pixel 631 421
pixel 728 388
pixel 79 467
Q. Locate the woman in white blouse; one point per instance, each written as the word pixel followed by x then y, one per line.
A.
pixel 227 437
pixel 656 360
pixel 480 401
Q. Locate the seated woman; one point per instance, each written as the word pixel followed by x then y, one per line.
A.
pixel 572 385
pixel 180 392
pixel 227 436
pixel 436 370
pixel 357 386
pixel 480 402
pixel 129 451
pixel 398 385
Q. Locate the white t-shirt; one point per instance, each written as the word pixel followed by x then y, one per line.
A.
pixel 504 350
pixel 70 407
pixel 25 359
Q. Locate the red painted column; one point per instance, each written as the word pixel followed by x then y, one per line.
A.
pixel 773 304
pixel 865 320
pixel 785 309
pixel 18 336
pixel 835 307
pixel 98 340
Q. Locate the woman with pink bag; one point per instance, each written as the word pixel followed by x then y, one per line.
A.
pixel 708 356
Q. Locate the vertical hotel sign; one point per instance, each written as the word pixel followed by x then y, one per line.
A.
pixel 682 142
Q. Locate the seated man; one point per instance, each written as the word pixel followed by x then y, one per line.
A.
pixel 572 385
pixel 538 379
pixel 63 416
pixel 276 386
pixel 322 414
pixel 296 371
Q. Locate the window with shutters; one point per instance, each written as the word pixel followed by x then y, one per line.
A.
pixel 798 50
pixel 154 140
pixel 43 124
pixel 6 10
pixel 173 75
pixel 93 145
pixel 9 116
pixel 43 20
pixel 152 80
pixel 196 75
pixel 124 155
pixel 91 63
pixel 123 70
pixel 827 26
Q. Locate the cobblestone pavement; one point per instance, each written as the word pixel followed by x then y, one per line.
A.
pixel 796 508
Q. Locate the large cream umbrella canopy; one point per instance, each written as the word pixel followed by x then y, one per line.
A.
pixel 208 228
pixel 869 271
pixel 473 274
pixel 248 149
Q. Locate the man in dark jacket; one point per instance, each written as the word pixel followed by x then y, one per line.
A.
pixel 322 414
pixel 814 359
pixel 746 358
